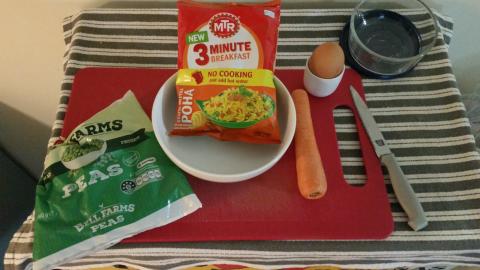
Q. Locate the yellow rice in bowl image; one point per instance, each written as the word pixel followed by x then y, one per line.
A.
pixel 237 107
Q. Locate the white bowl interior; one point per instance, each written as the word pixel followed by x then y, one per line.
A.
pixel 215 160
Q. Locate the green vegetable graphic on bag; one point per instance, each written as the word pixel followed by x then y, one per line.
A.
pixel 76 155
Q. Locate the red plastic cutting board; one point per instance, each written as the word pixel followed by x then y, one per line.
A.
pixel 268 207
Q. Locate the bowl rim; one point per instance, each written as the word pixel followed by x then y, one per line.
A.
pixel 158 126
pixel 417 57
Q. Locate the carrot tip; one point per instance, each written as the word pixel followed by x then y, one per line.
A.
pixel 314 195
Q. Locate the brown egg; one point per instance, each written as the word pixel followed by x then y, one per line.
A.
pixel 327 60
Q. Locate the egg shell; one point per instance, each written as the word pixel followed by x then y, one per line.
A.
pixel 327 60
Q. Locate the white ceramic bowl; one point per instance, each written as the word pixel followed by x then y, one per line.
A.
pixel 214 160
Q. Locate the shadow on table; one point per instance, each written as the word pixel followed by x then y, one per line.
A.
pixel 17 196
pixel 24 139
pixel 23 144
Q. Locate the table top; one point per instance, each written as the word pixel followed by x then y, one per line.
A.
pixel 421 116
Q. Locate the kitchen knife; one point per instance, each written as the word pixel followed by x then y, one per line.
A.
pixel 404 192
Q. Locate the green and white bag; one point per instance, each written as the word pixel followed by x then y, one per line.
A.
pixel 108 181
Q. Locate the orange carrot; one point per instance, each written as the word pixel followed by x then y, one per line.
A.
pixel 311 179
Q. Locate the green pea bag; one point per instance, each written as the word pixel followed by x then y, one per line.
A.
pixel 109 180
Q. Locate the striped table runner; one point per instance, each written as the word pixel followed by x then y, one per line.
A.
pixel 421 116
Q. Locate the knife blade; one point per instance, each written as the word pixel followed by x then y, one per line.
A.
pixel 402 188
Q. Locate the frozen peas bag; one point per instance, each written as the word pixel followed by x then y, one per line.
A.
pixel 109 180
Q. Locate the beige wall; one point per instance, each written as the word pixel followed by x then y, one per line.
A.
pixel 465 47
pixel 31 52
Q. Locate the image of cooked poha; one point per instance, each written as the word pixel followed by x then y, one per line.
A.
pixel 239 105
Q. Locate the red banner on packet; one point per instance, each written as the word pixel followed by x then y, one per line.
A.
pixel 227 35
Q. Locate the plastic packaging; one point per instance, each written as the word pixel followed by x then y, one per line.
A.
pixel 108 181
pixel 226 55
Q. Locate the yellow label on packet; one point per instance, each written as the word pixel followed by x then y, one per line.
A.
pixel 227 103
pixel 225 77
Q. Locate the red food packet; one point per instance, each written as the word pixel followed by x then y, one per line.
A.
pixel 226 55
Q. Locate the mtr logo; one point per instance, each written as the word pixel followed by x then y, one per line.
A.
pixel 224 25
